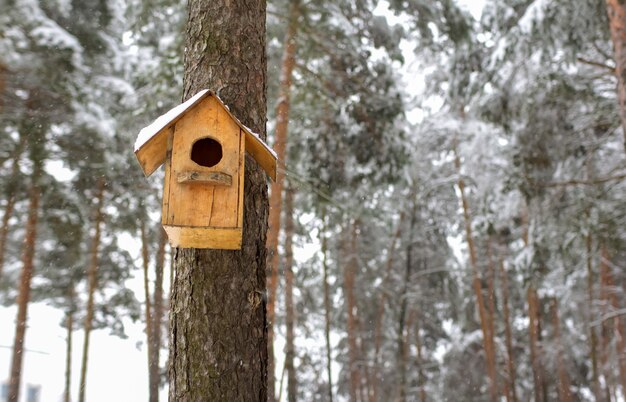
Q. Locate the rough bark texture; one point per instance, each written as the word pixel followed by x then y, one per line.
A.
pixel 327 308
pixel 157 320
pixel 92 278
pixel 292 382
pixel 349 278
pixel 488 343
pixel 218 326
pixel 616 9
pixel 280 147
pixel 23 297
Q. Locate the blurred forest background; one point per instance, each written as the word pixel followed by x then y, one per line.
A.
pixel 453 214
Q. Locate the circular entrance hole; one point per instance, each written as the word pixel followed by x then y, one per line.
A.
pixel 206 152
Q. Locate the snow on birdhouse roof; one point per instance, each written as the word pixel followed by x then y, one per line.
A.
pixel 254 144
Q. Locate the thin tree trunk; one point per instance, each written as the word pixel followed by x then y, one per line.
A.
pixel 565 394
pixel 157 320
pixel 327 306
pixel 23 298
pixel 348 284
pixel 280 146
pixel 218 323
pixel 146 291
pixel 68 350
pixel 421 377
pixel 616 10
pixel 508 333
pixel 292 383
pixel 11 199
pixel 92 278
pixel 605 331
pixel 488 342
pixel 593 341
pixel 535 356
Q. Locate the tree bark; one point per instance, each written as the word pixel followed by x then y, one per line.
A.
pixel 292 382
pixel 157 320
pixel 350 270
pixel 565 394
pixel 327 306
pixel 280 146
pixel 146 290
pixel 68 349
pixel 535 335
pixel 92 278
pixel 23 298
pixel 218 325
pixel 488 343
pixel 508 333
pixel 421 377
pixel 616 10
pixel 593 340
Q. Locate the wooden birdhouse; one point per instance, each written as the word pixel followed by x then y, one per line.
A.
pixel 203 147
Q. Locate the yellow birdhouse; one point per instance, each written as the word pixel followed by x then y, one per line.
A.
pixel 203 147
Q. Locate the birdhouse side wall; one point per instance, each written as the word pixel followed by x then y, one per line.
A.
pixel 202 204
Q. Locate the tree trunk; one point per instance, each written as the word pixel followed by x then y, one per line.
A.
pixel 327 306
pixel 292 384
pixel 157 320
pixel 23 298
pixel 11 199
pixel 508 333
pixel 421 377
pixel 565 394
pixel 351 266
pixel 280 146
pixel 146 291
pixel 605 332
pixel 68 350
pixel 535 335
pixel 218 325
pixel 593 341
pixel 616 10
pixel 92 278
pixel 488 342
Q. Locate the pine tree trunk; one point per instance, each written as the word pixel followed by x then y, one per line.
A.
pixel 351 266
pixel 534 331
pixel 616 10
pixel 23 298
pixel 92 278
pixel 593 341
pixel 146 291
pixel 218 325
pixel 565 394
pixel 280 146
pixel 292 382
pixel 157 320
pixel 488 342
pixel 327 306
pixel 508 333
pixel 11 199
pixel 421 377
pixel 605 331
pixel 68 349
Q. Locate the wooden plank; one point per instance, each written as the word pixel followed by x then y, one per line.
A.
pixel 259 152
pixel 215 178
pixel 204 237
pixel 153 153
pixel 168 174
pixel 242 169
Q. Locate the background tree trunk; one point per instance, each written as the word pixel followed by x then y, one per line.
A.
pixel 280 146
pixel 68 345
pixel 616 10
pixel 157 319
pixel 146 291
pixel 92 278
pixel 327 306
pixel 23 297
pixel 350 270
pixel 292 381
pixel 508 333
pixel 565 394
pixel 218 325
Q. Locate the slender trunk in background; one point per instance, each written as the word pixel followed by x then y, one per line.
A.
pixel 404 301
pixel 565 394
pixel 23 298
pixel 605 341
pixel 508 333
pixel 593 341
pixel 491 292
pixel 157 319
pixel 68 345
pixel 92 278
pixel 382 299
pixel 11 198
pixel 349 278
pixel 534 328
pixel 327 307
pixel 365 380
pixel 616 10
pixel 280 146
pixel 146 291
pixel 218 325
pixel 618 325
pixel 292 382
pixel 421 377
pixel 488 342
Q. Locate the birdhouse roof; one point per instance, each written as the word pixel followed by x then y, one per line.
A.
pixel 151 143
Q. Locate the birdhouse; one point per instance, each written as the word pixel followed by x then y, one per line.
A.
pixel 203 147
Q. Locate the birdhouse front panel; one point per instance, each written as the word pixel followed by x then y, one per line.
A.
pixel 204 179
